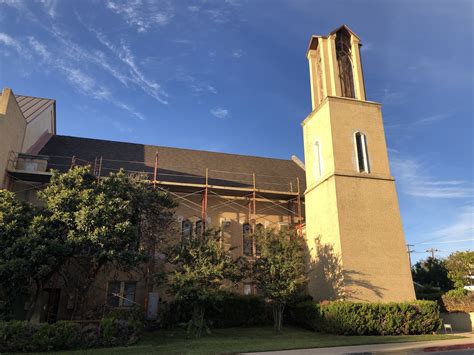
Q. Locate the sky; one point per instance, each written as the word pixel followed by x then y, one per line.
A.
pixel 232 76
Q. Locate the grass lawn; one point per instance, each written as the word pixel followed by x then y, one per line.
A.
pixel 234 340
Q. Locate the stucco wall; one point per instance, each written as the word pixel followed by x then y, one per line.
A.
pixel 460 321
pixel 356 213
pixel 12 130
pixel 41 124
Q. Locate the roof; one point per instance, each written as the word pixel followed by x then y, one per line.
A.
pixel 31 106
pixel 176 164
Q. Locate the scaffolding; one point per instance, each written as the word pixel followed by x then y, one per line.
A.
pixel 183 183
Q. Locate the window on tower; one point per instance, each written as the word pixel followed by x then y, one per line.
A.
pixel 344 61
pixel 361 152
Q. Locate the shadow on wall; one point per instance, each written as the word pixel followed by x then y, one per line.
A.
pixel 459 321
pixel 329 281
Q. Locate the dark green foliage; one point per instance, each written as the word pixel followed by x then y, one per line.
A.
pixel 350 318
pixel 201 267
pixel 21 336
pixel 432 272
pixel 279 272
pixel 226 309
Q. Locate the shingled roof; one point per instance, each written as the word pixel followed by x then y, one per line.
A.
pixel 176 164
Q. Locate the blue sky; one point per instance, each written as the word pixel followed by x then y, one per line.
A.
pixel 232 76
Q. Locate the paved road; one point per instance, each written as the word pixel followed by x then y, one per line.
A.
pixel 438 347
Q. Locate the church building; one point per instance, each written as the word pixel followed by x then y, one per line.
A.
pixel 342 199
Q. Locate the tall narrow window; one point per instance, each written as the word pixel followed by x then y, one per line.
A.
pixel 186 230
pixel 259 230
pixel 343 54
pixel 361 153
pixel 247 239
pixel 318 161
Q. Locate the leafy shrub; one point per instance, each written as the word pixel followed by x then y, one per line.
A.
pixel 351 318
pixel 21 336
pixel 122 326
pixel 226 309
pixel 229 309
pixel 458 300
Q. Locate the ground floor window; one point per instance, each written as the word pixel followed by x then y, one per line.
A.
pixel 121 293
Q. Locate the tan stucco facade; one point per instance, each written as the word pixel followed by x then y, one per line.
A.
pixel 12 131
pixel 356 213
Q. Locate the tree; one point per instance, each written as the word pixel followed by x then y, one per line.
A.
pixel 460 265
pixel 83 226
pixel 200 267
pixel 280 270
pixel 432 272
pixel 104 221
pixel 30 250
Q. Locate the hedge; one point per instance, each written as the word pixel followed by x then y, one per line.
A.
pixel 226 310
pixel 351 318
pixel 114 329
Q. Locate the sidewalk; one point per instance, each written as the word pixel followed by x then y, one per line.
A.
pixel 427 347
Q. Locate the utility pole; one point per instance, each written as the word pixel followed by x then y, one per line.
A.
pixel 409 251
pixel 432 251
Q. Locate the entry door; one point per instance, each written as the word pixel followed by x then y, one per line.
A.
pixel 52 307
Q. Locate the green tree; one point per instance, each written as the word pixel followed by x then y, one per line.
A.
pixel 460 265
pixel 105 223
pixel 200 268
pixel 30 250
pixel 432 272
pixel 280 270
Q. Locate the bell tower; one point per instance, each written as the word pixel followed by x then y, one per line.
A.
pixel 351 201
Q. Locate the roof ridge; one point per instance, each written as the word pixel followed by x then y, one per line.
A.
pixel 194 150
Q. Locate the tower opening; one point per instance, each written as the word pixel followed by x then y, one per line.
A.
pixel 361 152
pixel 344 61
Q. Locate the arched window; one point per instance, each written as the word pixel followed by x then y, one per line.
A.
pixel 344 61
pixel 318 160
pixel 186 229
pixel 362 155
pixel 247 239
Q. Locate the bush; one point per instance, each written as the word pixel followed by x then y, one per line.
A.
pixel 117 328
pixel 21 336
pixel 226 309
pixel 351 318
pixel 458 300
pixel 229 309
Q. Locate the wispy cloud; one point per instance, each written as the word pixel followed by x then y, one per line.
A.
pixel 367 47
pixel 220 112
pixel 10 42
pixel 237 53
pixel 142 14
pixel 416 181
pixel 461 228
pixel 421 121
pixel 50 7
pixel 80 81
pixel 124 53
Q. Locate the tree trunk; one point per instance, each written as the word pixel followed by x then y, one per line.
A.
pixel 34 301
pixel 278 308
pixel 197 321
